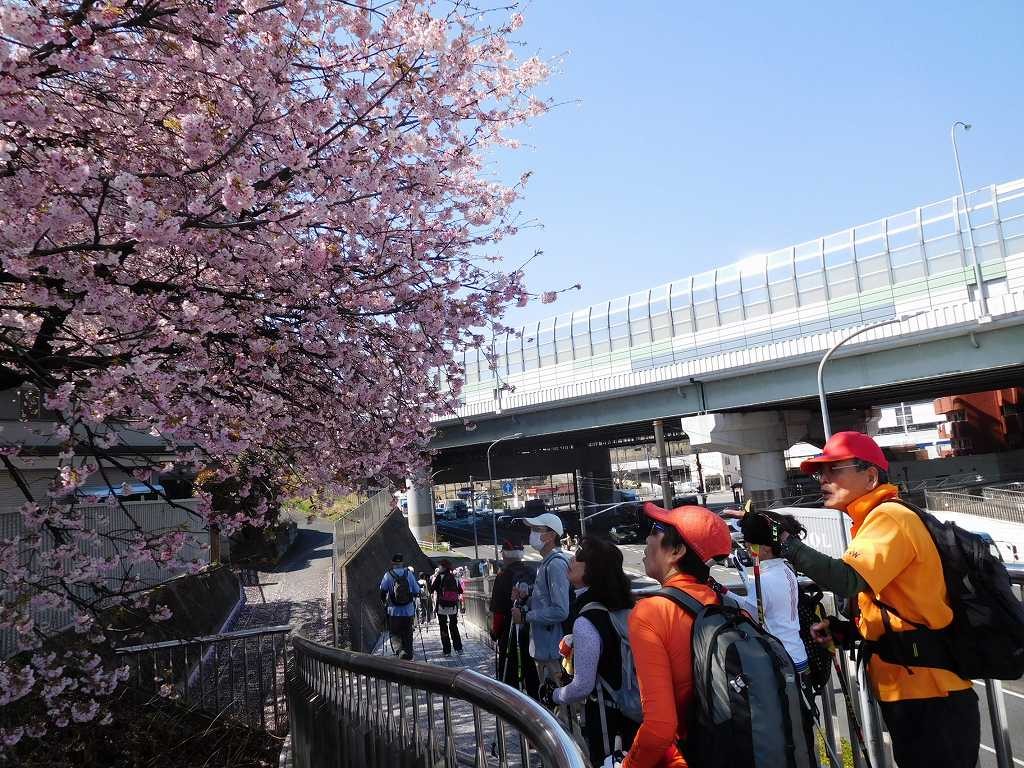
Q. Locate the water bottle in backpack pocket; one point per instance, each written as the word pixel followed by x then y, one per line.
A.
pixel 747 705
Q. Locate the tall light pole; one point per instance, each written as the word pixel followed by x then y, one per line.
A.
pixel 982 299
pixel 490 487
pixel 825 421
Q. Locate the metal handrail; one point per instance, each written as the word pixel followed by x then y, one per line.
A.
pixel 237 635
pixel 239 674
pixel 987 502
pixel 350 708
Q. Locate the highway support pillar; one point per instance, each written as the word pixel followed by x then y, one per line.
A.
pixel 421 508
pixel 759 438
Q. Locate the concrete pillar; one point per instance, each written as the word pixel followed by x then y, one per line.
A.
pixel 758 438
pixel 763 476
pixel 421 509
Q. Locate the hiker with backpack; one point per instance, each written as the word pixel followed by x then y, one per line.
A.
pixel 789 612
pixel 425 606
pixel 716 689
pixel 603 673
pixel 913 579
pixel 447 591
pixel 510 590
pixel 398 591
pixel 549 602
pixel 779 596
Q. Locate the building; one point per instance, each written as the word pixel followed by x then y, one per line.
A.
pixel 909 430
pixel 983 422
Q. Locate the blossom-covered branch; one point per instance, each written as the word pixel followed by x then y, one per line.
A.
pixel 250 230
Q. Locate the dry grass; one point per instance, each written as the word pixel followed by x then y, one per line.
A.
pixel 149 733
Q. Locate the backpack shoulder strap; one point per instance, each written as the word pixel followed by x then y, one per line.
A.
pixel 593 606
pixel 885 608
pixel 556 555
pixel 680 597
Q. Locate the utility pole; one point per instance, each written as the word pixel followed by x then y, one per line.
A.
pixel 472 518
pixel 666 483
pixel 700 480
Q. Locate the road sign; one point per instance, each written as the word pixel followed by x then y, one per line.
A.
pixel 507 487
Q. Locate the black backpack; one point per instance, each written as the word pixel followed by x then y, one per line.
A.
pixel 747 705
pixel 401 592
pixel 986 637
pixel 819 657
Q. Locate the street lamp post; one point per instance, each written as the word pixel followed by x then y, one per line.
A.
pixel 825 421
pixel 490 487
pixel 982 299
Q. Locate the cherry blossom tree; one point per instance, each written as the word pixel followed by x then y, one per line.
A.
pixel 258 229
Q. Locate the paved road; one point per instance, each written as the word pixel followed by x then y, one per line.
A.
pixel 297 591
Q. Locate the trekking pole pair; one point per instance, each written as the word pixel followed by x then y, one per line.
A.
pixel 850 712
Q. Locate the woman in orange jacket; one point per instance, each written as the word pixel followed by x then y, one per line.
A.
pixel 681 543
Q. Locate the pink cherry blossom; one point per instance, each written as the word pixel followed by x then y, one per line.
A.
pixel 260 233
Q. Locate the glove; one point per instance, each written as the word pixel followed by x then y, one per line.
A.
pixel 614 760
pixel 545 694
pixel 497 625
pixel 760 529
pixel 838 632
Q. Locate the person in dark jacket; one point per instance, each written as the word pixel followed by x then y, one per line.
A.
pixel 447 592
pixel 511 586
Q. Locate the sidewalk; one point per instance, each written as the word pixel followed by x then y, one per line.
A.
pixel 476 654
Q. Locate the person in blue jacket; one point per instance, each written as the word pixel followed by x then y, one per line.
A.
pixel 398 591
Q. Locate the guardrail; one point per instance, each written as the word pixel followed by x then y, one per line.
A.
pixel 993 503
pixel 240 675
pixel 352 528
pixel 354 709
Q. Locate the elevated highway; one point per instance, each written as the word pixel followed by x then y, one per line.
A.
pixel 749 335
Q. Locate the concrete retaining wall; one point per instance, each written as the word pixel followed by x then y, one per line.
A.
pixel 201 604
pixel 361 615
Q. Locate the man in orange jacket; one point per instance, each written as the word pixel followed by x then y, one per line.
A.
pixel 680 544
pixel 931 714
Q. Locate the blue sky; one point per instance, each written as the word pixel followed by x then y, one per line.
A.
pixel 696 134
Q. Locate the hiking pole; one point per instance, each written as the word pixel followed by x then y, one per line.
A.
pixel 423 645
pixel 850 714
pixel 520 679
pixel 832 758
pixel 755 551
pixel 812 708
pixel 508 653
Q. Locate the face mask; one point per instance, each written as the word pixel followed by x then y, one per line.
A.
pixel 399 571
pixel 536 541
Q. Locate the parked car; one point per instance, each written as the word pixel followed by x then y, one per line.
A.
pixel 626 533
pixel 455 509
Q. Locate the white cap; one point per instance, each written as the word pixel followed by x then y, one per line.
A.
pixel 547 520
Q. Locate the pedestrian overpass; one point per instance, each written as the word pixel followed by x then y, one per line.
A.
pixel 750 334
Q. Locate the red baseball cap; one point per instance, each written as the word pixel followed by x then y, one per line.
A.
pixel 847 445
pixel 703 531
